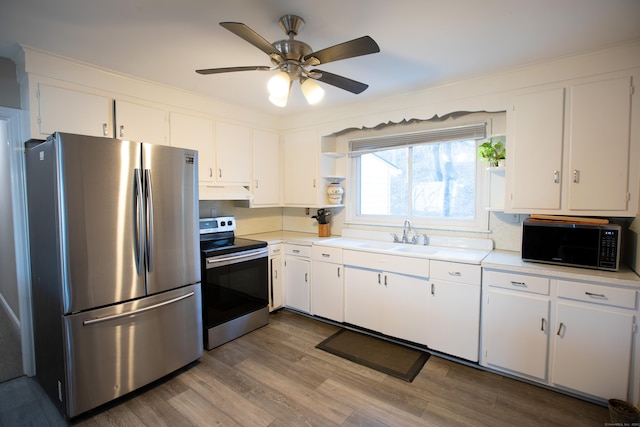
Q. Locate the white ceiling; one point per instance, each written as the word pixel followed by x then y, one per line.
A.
pixel 423 42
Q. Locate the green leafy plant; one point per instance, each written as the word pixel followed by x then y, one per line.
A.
pixel 493 150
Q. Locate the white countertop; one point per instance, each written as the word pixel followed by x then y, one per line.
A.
pixel 512 261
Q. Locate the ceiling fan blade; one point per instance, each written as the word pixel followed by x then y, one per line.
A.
pixel 246 33
pixel 341 82
pixel 232 69
pixel 357 47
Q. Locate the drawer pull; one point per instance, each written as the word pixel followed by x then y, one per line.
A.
pixel 296 251
pixel 326 255
pixel 455 273
pixel 591 294
pixel 560 327
pixel 520 284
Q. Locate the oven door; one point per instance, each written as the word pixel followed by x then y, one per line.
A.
pixel 233 285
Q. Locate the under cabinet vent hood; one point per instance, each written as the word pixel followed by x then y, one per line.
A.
pixel 224 192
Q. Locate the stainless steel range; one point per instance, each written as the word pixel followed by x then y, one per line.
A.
pixel 235 286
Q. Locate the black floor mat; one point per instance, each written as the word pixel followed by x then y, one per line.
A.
pixel 384 356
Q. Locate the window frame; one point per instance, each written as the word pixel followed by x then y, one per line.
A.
pixel 480 221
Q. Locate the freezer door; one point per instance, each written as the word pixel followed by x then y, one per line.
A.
pixel 101 262
pixel 115 350
pixel 173 243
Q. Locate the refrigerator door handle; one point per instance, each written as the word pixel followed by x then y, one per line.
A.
pixel 139 219
pixel 149 211
pixel 134 312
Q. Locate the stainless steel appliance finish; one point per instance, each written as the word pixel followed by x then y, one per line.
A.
pixel 115 266
pixel 234 282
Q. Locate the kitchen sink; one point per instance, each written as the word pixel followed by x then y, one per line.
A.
pixel 415 249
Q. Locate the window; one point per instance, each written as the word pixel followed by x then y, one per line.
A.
pixel 431 177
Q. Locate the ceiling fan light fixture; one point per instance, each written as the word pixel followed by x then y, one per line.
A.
pixel 312 91
pixel 278 85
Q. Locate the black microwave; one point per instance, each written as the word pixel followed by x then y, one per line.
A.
pixel 572 244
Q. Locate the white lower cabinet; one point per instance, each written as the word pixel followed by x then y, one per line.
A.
pixel 569 334
pixel 385 301
pixel 592 340
pixel 453 309
pixel 297 277
pixel 516 332
pixel 327 283
pixel 276 282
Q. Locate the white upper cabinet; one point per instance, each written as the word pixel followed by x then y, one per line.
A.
pixel 572 150
pixel 66 110
pixel 266 169
pixel 137 122
pixel 233 153
pixel 301 178
pixel 196 133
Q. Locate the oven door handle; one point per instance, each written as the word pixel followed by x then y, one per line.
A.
pixel 246 256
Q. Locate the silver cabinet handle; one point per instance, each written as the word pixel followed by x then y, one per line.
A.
pixel 296 251
pixel 379 282
pixel 121 131
pixel 519 284
pixel 104 129
pixel 576 176
pixel 385 280
pixel 219 172
pixel 433 289
pixel 543 325
pixel 455 273
pixel 326 255
pixel 560 328
pixel 134 312
pixel 556 177
pixel 338 271
pixel 210 172
pixel 591 294
pixel 256 183
pixel 306 277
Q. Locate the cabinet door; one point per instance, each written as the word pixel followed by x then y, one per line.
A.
pixel 301 151
pixel 137 122
pixel 515 332
pixel 535 155
pixel 453 319
pixel 327 290
pixel 65 110
pixel 195 133
pixel 592 351
pixel 266 168
pixel 364 293
pixel 405 307
pixel 599 135
pixel 233 153
pixel 296 285
pixel 276 289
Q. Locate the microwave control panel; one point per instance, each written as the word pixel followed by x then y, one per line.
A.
pixel 608 248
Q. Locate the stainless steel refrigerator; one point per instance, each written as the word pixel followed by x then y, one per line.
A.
pixel 115 266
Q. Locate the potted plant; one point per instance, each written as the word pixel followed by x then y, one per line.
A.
pixel 493 151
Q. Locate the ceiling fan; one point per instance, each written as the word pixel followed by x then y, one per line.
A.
pixel 294 59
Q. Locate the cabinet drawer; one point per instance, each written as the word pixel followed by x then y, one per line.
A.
pixel 297 250
pixel 326 253
pixel 456 272
pixel 410 266
pixel 275 250
pixel 517 282
pixel 599 294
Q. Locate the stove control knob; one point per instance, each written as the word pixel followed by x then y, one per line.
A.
pixel 229 222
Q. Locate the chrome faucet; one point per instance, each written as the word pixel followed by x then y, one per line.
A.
pixel 406 228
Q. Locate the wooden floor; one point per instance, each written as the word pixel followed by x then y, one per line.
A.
pixel 276 377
